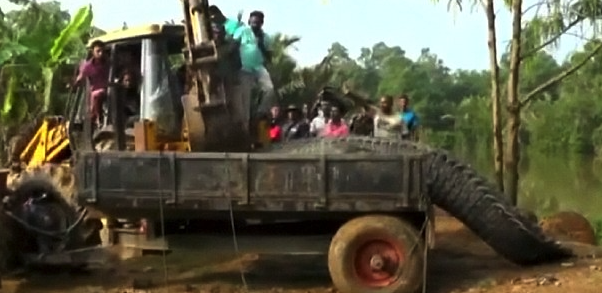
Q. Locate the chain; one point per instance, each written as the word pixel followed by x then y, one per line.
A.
pixel 162 220
pixel 233 225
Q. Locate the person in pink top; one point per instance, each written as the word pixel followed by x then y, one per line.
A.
pixel 96 70
pixel 336 127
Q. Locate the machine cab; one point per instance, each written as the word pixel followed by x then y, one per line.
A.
pixel 147 79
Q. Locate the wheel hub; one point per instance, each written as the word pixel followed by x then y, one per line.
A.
pixel 378 263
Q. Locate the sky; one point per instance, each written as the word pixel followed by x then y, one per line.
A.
pixel 459 38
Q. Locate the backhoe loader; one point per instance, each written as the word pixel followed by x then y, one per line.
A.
pixel 185 153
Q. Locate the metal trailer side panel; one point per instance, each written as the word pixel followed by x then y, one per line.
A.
pixel 113 181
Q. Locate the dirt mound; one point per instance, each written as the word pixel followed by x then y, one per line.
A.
pixel 569 226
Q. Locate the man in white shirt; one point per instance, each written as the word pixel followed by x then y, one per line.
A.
pixel 319 122
pixel 387 123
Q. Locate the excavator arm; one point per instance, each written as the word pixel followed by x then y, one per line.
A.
pixel 211 124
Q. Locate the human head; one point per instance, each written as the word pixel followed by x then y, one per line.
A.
pixel 293 112
pixel 127 79
pixel 219 33
pixel 386 104
pixel 325 107
pixel 404 102
pixel 216 14
pixel 97 49
pixel 275 111
pixel 335 114
pixel 256 19
pixel 371 112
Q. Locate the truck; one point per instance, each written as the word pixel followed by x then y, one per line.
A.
pixel 185 154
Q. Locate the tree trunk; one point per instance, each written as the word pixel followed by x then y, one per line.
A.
pixel 512 156
pixel 498 143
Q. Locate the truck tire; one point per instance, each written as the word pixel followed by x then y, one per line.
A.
pixel 458 189
pixel 7 234
pixel 376 254
pixel 58 182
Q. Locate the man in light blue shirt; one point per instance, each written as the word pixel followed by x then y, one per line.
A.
pixel 255 53
pixel 409 119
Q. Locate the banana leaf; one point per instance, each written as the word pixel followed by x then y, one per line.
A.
pixel 80 23
pixel 10 50
pixel 9 97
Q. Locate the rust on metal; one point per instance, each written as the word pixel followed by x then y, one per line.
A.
pixel 256 182
pixel 378 262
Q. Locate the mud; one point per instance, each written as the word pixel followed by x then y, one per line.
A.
pixel 460 263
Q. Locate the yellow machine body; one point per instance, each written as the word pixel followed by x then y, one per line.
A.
pixel 206 114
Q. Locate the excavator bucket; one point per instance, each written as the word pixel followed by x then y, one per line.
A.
pixel 220 136
pixel 210 119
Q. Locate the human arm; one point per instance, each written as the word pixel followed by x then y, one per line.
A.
pixel 238 33
pixel 231 25
pixel 414 122
pixel 325 132
pixel 357 99
pixel 391 123
pixel 312 126
pixel 264 44
pixel 83 72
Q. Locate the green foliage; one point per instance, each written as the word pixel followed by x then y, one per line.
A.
pixel 32 51
pixel 79 24
pixel 453 105
pixel 598 230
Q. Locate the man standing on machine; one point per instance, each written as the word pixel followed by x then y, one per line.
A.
pixel 96 70
pixel 254 55
pixel 230 25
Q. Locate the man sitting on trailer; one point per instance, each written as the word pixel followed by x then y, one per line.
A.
pixel 294 127
pixel 386 121
pixel 363 122
pixel 96 70
pixel 336 126
pixel 409 119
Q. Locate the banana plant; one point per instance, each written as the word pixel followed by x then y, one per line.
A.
pixel 31 51
pixel 80 23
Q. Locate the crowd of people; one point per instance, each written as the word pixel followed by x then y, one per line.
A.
pixel 253 53
pixel 328 121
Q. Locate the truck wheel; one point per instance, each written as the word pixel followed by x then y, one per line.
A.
pixel 376 254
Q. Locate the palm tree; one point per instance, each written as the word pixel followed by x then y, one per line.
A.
pixel 293 84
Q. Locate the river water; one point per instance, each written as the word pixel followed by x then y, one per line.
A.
pixel 552 183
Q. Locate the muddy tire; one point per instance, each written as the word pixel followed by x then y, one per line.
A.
pixel 376 254
pixel 458 189
pixel 6 243
pixel 58 182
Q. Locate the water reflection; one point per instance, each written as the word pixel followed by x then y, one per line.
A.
pixel 552 183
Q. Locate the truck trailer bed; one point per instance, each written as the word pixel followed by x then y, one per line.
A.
pixel 201 184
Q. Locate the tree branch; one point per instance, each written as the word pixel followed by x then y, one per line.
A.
pixel 565 73
pixel 534 5
pixel 552 39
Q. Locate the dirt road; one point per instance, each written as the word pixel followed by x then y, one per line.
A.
pixel 461 263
